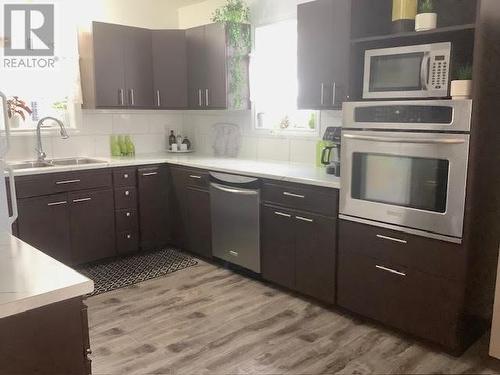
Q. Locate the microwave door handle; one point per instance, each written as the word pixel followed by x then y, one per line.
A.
pixel 445 141
pixel 424 71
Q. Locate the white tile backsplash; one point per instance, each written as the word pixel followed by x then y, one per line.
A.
pixel 150 129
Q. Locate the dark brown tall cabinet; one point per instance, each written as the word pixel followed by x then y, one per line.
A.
pixel 210 74
pixel 116 65
pixel 169 69
pixel 323 53
pixel 154 208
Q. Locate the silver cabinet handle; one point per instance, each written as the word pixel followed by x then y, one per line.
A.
pixel 128 214
pixel 199 98
pixel 149 174
pixel 125 175
pixel 294 195
pixel 282 214
pixel 391 239
pixel 81 200
pixel 234 253
pixel 67 182
pixel 132 97
pixel 121 97
pixel 127 193
pixel 322 93
pixel 195 177
pixel 449 141
pixel 207 100
pixel 301 218
pixel 57 203
pixel 158 98
pixel 129 236
pixel 334 93
pixel 390 270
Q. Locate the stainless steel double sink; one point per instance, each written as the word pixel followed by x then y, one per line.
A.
pixel 55 163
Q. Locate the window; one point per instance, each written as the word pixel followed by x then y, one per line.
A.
pixel 48 91
pixel 274 82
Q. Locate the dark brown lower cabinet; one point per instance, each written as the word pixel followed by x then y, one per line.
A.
pixel 44 223
pixel 154 207
pixel 49 340
pixel 199 223
pixel 278 247
pixel 298 251
pixel 393 290
pixel 92 225
pixel 192 227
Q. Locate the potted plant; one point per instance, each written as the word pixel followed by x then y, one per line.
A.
pixel 235 16
pixel 426 16
pixel 16 110
pixel 461 87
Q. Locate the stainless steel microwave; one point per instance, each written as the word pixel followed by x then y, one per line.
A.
pixel 419 71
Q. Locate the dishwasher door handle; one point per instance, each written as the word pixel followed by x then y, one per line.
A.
pixel 233 190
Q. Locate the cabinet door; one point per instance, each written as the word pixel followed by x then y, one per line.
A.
pixel 315 256
pixel 109 65
pixel 154 207
pixel 278 246
pixel 169 69
pixel 138 67
pixel 44 223
pixel 179 208
pixel 199 229
pixel 323 53
pixel 197 66
pixel 92 225
pixel 216 87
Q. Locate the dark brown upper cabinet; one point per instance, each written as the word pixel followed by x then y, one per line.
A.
pixel 116 67
pixel 323 53
pixel 211 77
pixel 169 69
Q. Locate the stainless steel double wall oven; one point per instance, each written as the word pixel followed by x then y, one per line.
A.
pixel 404 165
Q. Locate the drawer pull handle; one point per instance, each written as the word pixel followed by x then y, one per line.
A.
pixel 234 253
pixel 128 214
pixel 293 195
pixel 282 214
pixel 149 174
pixel 195 177
pixel 304 219
pixel 391 239
pixel 57 203
pixel 129 236
pixel 67 182
pixel 127 193
pixel 82 200
pixel 125 175
pixel 390 270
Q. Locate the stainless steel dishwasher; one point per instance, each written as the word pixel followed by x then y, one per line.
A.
pixel 235 207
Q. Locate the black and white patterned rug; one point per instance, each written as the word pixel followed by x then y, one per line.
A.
pixel 123 272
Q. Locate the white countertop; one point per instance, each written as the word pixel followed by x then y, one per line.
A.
pixel 29 279
pixel 284 171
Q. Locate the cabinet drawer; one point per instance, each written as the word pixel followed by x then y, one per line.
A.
pixel 125 177
pixel 438 258
pixel 126 220
pixel 408 300
pixel 320 200
pixel 127 242
pixel 126 198
pixel 52 183
pixel 193 177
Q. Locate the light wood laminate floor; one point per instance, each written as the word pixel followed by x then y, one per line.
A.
pixel 208 320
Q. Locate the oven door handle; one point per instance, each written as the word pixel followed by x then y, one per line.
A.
pixel 444 141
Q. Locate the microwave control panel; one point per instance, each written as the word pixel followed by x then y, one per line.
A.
pixel 439 71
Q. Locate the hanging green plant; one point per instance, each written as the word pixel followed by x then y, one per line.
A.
pixel 235 16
